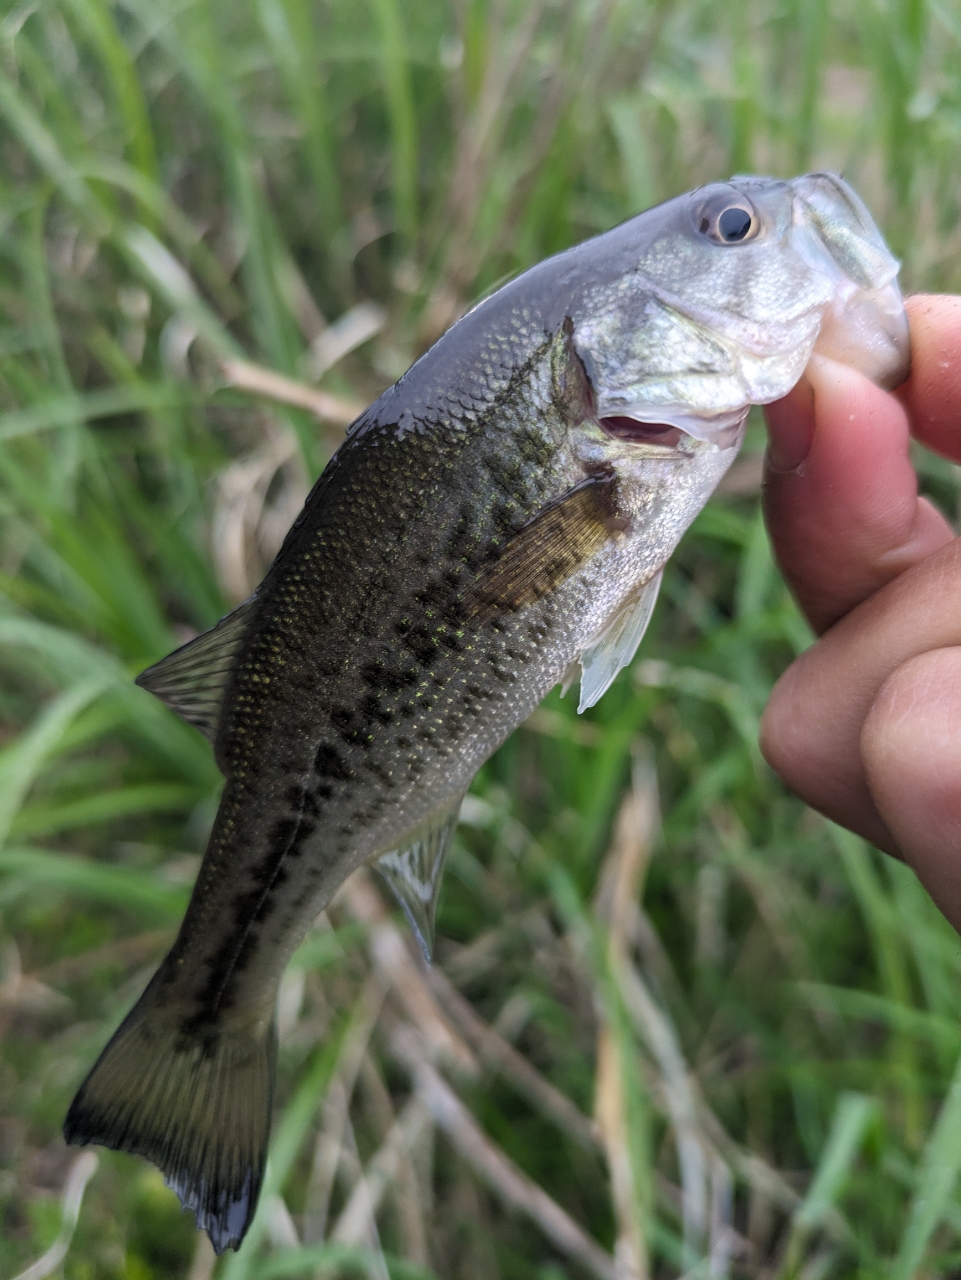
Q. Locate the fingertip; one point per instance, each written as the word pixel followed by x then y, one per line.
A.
pixel 932 393
pixel 843 395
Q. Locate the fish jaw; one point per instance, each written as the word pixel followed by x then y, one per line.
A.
pixel 865 325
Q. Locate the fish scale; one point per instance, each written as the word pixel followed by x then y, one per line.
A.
pixel 370 758
pixel 496 523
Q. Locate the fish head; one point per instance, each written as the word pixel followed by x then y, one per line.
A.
pixel 716 300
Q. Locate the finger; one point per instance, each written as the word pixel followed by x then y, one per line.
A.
pixel 811 728
pixel 932 394
pixel 911 750
pixel 840 494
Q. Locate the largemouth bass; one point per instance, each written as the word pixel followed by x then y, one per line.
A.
pixel 494 524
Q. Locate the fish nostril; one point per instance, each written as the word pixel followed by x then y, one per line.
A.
pixel 635 432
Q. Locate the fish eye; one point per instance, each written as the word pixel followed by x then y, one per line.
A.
pixel 727 218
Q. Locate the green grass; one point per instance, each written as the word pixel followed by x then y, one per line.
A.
pixel 767 1018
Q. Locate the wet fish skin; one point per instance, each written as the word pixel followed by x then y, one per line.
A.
pixel 392 682
pixel 483 526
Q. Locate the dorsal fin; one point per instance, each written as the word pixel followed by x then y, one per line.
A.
pixel 601 661
pixel 415 870
pixel 192 679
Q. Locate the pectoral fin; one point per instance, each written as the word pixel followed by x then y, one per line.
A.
pixel 192 680
pixel 549 549
pixel 602 660
pixel 414 873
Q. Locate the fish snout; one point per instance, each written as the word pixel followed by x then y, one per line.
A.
pixel 864 325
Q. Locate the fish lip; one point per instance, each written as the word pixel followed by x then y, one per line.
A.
pixel 864 325
pixel 869 333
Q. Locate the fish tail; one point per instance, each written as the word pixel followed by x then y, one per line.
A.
pixel 195 1102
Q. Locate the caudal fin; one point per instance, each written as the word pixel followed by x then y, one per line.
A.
pixel 195 1103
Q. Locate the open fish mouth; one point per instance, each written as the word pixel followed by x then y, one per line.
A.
pixel 663 435
pixel 664 439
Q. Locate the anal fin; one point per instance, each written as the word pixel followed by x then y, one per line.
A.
pixel 601 661
pixel 414 872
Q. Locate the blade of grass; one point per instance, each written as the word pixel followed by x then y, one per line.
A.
pixel 342 1258
pixel 45 819
pixel 84 1167
pixel 42 146
pixel 400 110
pixel 853 1116
pixel 89 406
pixel 22 761
pixel 140 891
pixel 98 23
pixel 290 28
pixel 287 1140
pixel 937 1178
pixel 892 966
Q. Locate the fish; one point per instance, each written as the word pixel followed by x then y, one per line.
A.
pixel 496 524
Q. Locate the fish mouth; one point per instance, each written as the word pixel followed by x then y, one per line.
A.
pixel 869 332
pixel 662 431
pixel 864 325
pixel 660 439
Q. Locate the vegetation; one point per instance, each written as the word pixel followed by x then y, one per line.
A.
pixel 676 1017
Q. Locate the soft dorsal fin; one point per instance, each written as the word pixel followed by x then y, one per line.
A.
pixel 549 549
pixel 601 661
pixel 415 870
pixel 192 679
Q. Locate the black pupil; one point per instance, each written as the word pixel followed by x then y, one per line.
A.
pixel 734 224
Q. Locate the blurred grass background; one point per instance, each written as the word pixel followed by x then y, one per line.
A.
pixel 679 1025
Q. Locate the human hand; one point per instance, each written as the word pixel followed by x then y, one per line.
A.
pixel 866 725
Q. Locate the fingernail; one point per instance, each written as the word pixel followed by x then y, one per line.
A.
pixel 791 428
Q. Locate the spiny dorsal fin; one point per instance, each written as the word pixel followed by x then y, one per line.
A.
pixel 549 549
pixel 601 661
pixel 192 679
pixel 414 872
